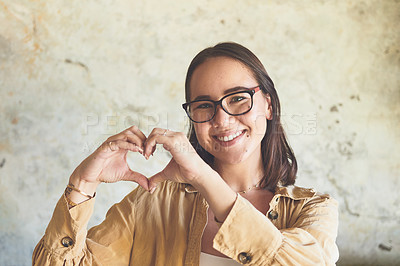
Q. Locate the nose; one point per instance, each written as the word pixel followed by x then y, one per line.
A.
pixel 221 117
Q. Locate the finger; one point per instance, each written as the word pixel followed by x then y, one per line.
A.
pixel 150 144
pixel 157 136
pixel 138 178
pixel 153 150
pixel 133 134
pixel 133 130
pixel 120 134
pixel 134 139
pixel 137 132
pixel 155 180
pixel 117 145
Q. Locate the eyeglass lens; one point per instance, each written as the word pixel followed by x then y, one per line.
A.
pixel 234 104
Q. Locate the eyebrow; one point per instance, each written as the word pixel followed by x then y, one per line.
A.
pixel 207 97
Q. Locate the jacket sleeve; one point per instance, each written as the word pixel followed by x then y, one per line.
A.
pixel 251 238
pixel 67 241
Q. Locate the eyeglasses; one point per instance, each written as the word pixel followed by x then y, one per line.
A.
pixel 236 103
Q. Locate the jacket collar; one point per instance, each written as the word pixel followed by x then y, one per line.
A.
pixel 293 192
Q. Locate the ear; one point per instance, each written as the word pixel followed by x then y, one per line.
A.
pixel 268 106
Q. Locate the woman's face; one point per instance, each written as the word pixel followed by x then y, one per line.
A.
pixel 213 79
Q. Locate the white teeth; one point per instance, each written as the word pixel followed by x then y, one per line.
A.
pixel 230 137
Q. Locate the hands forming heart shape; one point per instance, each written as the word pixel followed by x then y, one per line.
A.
pixel 108 163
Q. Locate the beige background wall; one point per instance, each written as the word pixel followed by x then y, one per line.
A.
pixel 74 72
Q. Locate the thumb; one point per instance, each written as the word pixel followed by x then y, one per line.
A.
pixel 138 178
pixel 155 180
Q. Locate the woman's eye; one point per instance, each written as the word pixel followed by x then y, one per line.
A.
pixel 204 106
pixel 237 99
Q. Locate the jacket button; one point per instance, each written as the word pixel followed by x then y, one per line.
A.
pixel 244 258
pixel 273 215
pixel 67 242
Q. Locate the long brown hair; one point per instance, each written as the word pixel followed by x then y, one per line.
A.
pixel 280 165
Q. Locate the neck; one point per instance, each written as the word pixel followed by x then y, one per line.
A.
pixel 241 176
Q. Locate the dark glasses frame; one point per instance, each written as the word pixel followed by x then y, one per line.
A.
pixel 250 91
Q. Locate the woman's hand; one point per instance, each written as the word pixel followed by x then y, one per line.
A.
pixel 186 166
pixel 108 163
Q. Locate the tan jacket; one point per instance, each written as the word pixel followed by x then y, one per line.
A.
pixel 166 229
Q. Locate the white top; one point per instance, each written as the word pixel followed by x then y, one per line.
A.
pixel 211 260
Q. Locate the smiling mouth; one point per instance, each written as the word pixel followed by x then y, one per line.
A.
pixel 230 137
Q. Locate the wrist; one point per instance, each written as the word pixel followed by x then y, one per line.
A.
pixel 201 181
pixel 79 190
pixel 88 187
pixel 217 193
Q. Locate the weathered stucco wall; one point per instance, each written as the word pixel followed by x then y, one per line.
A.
pixel 74 72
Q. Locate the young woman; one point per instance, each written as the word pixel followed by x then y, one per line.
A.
pixel 225 198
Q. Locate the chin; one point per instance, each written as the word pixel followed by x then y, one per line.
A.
pixel 230 158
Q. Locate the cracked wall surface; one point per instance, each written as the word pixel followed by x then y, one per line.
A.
pixel 74 72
